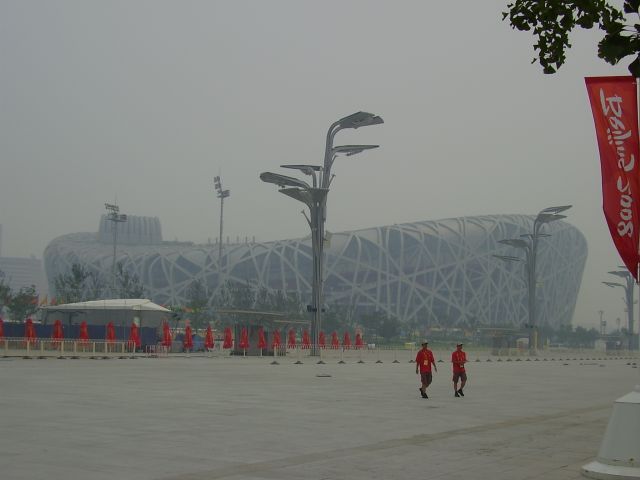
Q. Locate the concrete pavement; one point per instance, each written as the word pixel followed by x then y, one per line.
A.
pixel 197 418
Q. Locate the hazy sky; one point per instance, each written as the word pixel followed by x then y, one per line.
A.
pixel 146 101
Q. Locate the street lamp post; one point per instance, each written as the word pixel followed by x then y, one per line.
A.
pixel 315 198
pixel 221 194
pixel 628 286
pixel 530 246
pixel 115 217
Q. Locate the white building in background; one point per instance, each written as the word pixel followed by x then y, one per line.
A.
pixel 438 272
pixel 20 272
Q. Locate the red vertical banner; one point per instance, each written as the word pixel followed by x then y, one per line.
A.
pixel 614 103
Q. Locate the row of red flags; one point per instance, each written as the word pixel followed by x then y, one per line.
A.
pixel 187 341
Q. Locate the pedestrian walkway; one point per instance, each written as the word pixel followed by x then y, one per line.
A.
pixel 197 418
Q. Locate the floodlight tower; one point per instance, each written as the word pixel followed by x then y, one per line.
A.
pixel 221 194
pixel 115 217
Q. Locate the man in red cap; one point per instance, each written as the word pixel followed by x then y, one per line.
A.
pixel 458 359
pixel 424 360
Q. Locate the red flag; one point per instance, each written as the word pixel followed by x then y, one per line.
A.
pixel 228 338
pixel 359 342
pixel 276 339
pixel 57 334
pixel 244 339
pixel 187 340
pixel 84 332
pixel 291 342
pixel 321 339
pixel 134 336
pixel 346 341
pixel 111 333
pixel 166 335
pixel 208 339
pixel 29 330
pixel 615 114
pixel 262 342
pixel 335 343
pixel 306 341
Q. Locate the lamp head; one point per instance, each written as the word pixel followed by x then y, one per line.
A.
pixel 508 258
pixel 359 119
pixel 349 150
pixel 514 242
pixel 282 180
pixel 621 273
pixel 556 210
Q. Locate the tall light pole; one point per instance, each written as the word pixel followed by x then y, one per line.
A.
pixel 115 217
pixel 221 194
pixel 628 286
pixel 315 198
pixel 529 243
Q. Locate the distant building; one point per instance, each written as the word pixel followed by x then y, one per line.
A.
pixel 429 272
pixel 23 272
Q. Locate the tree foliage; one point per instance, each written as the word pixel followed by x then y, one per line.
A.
pixel 551 22
pixel 70 287
pixel 197 303
pixel 129 284
pixel 80 284
pixel 23 303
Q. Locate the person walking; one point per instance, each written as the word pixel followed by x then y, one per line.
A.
pixel 424 361
pixel 458 359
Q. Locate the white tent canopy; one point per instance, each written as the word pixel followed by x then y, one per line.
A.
pixel 135 304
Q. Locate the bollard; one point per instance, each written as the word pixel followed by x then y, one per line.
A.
pixel 320 362
pixel 341 355
pixel 395 356
pixel 411 356
pixel 275 356
pixel 299 362
pixel 378 355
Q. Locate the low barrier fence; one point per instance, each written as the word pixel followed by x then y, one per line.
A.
pixel 46 347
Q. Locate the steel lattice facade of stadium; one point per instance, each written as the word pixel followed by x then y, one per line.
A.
pixel 436 271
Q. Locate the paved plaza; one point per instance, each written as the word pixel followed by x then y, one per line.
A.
pixel 199 418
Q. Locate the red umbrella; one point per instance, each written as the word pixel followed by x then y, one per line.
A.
pixel 57 334
pixel 276 339
pixel 1 328
pixel 321 339
pixel 228 339
pixel 166 335
pixel 208 339
pixel 187 341
pixel 291 343
pixel 111 333
pixel 134 336
pixel 244 339
pixel 335 343
pixel 29 330
pixel 84 332
pixel 346 341
pixel 306 341
pixel 359 342
pixel 262 342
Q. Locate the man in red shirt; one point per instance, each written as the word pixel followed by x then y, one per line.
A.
pixel 424 361
pixel 458 359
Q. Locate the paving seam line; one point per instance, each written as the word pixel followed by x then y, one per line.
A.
pixel 420 439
